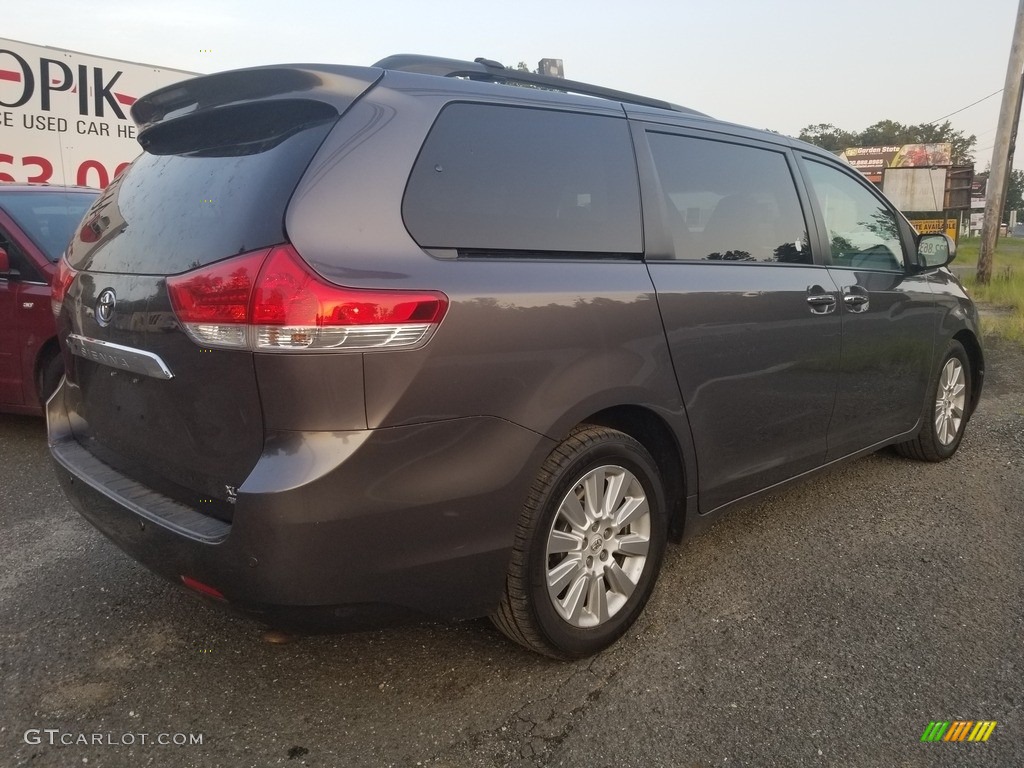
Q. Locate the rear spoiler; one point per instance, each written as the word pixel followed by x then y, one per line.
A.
pixel 336 86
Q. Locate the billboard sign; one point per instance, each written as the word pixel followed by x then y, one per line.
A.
pixel 916 189
pixel 872 161
pixel 978 192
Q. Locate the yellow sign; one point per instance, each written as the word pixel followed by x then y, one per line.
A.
pixel 948 226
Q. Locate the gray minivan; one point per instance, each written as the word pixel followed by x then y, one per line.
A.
pixel 348 345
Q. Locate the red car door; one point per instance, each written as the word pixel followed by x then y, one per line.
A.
pixel 26 321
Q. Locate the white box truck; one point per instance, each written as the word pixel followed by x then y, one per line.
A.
pixel 64 115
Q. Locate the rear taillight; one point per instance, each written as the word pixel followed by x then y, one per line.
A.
pixel 271 301
pixel 61 282
pixel 212 303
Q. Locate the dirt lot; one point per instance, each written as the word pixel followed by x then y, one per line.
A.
pixel 824 626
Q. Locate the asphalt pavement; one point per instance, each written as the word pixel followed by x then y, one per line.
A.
pixel 827 625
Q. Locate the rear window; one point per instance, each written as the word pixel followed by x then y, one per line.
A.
pixel 170 213
pixel 493 179
pixel 48 217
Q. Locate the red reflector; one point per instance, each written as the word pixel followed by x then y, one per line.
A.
pixel 203 589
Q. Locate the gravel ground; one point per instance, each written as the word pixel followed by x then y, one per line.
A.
pixel 824 626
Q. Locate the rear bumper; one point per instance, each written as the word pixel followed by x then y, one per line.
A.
pixel 332 530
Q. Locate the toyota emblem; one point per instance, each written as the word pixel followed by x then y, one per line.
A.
pixel 105 307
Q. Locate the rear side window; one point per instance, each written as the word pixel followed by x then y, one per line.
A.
pixel 495 179
pixel 729 202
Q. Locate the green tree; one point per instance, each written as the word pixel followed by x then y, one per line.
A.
pixel 886 132
pixel 1014 195
pixel 827 136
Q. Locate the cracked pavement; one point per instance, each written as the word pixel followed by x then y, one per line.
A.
pixel 825 625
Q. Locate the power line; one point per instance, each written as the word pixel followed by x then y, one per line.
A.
pixel 933 122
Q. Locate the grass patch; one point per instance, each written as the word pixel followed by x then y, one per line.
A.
pixel 1005 291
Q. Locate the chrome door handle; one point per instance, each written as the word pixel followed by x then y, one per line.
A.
pixel 856 302
pixel 822 303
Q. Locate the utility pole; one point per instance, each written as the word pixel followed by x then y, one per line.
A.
pixel 1000 173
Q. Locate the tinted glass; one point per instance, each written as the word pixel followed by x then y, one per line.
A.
pixel 492 178
pixel 862 231
pixel 49 218
pixel 172 213
pixel 729 202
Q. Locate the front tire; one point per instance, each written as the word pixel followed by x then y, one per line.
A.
pixel 943 428
pixel 588 546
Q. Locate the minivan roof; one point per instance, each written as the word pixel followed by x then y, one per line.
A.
pixel 492 71
pixel 339 85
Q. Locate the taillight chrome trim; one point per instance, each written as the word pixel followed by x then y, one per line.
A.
pixel 305 338
pixel 341 338
pixel 118 356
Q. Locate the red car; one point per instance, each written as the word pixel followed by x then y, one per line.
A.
pixel 36 223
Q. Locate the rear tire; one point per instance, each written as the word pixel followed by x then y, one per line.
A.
pixel 946 419
pixel 588 546
pixel 50 371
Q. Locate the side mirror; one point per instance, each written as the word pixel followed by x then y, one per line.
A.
pixel 935 250
pixel 5 264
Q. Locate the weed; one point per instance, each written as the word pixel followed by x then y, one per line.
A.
pixel 1004 291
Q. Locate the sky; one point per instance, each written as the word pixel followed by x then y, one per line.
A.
pixel 780 65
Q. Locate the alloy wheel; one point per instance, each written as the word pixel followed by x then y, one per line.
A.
pixel 598 546
pixel 950 399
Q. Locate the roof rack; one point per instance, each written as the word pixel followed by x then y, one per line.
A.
pixel 491 71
